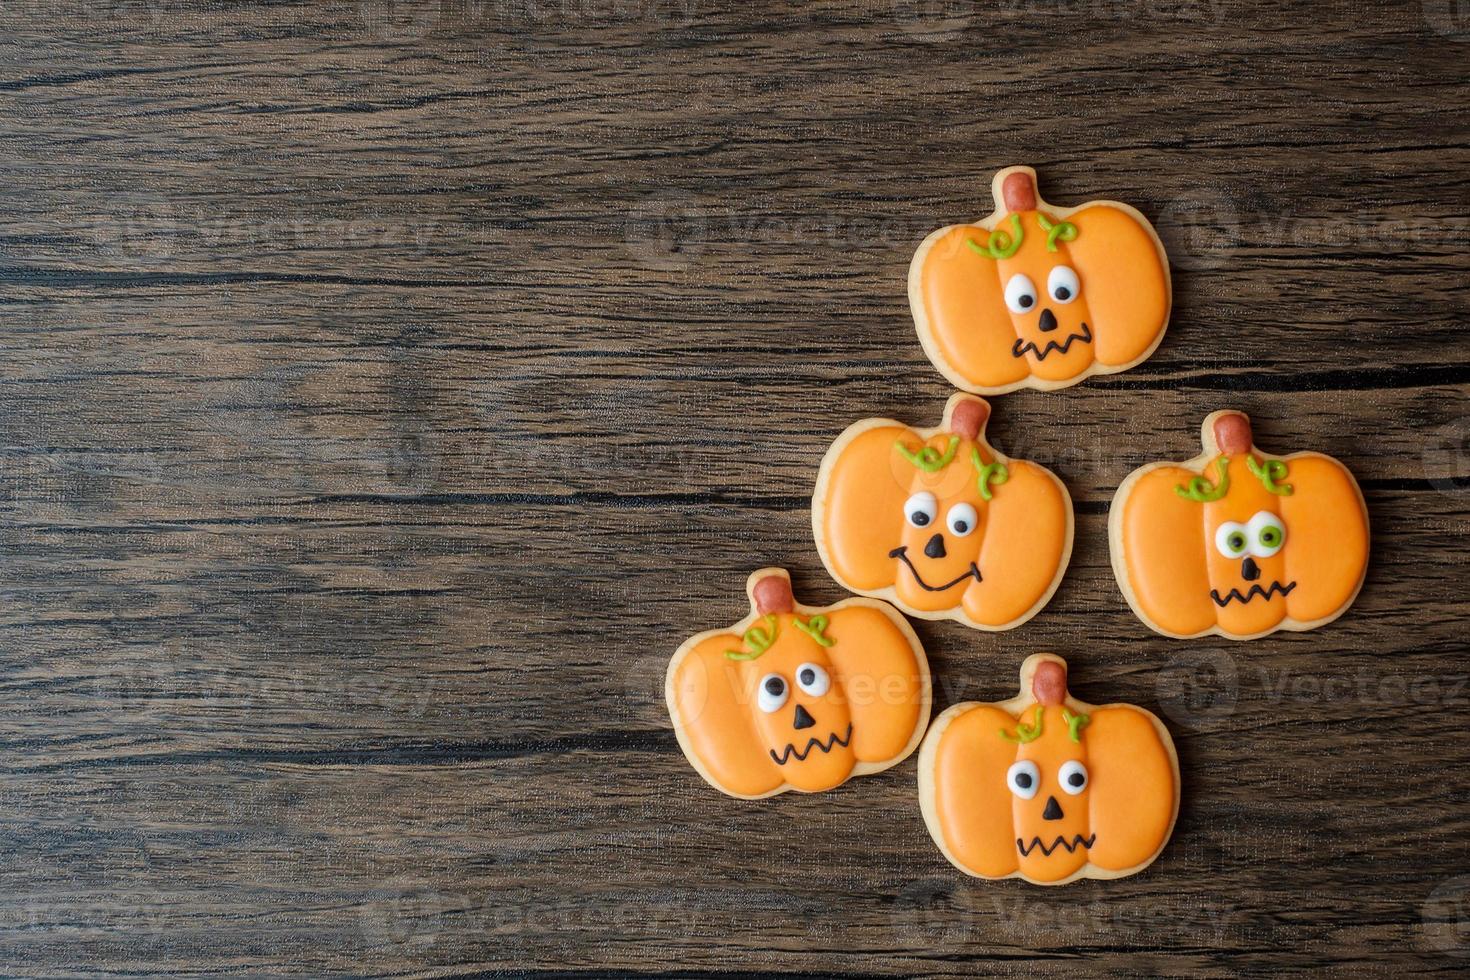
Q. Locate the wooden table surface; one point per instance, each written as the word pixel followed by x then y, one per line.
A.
pixel 388 390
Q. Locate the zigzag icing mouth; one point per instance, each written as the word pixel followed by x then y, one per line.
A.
pixel 901 553
pixel 814 743
pixel 1072 845
pixel 1251 593
pixel 1020 348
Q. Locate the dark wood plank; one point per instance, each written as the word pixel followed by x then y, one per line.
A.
pixel 389 389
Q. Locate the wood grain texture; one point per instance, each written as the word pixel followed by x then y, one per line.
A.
pixel 389 389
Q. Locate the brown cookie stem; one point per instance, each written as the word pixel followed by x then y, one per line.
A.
pixel 1018 192
pixel 969 418
pixel 1233 434
pixel 1049 683
pixel 773 595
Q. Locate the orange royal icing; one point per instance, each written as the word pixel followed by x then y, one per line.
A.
pixel 798 697
pixel 994 573
pixel 1085 291
pixel 1192 566
pixel 1002 805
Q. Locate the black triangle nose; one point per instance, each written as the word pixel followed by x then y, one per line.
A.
pixel 1048 321
pixel 1249 570
pixel 804 719
pixel 935 547
pixel 1052 811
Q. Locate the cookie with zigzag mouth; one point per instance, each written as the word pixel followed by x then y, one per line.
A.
pixel 1039 296
pixel 798 697
pixel 1046 787
pixel 1237 542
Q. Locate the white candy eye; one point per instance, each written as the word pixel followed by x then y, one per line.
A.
pixel 1062 284
pixel 772 693
pixel 1073 777
pixel 1267 534
pixel 813 680
pixel 921 509
pixel 1232 539
pixel 1021 294
pixel 962 519
pixel 1024 779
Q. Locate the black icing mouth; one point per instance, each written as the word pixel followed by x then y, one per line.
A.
pixel 1251 593
pixel 902 554
pixel 1020 348
pixel 815 743
pixel 1072 845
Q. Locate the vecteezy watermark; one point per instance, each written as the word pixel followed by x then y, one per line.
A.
pixel 700 680
pixel 163 232
pixel 1201 230
pixel 407 20
pixel 949 911
pixel 934 21
pixel 405 913
pixel 1446 918
pixel 1189 11
pixel 942 21
pixel 1447 457
pixel 1204 228
pixel 1200 688
pixel 674 229
pixel 666 231
pixel 1447 18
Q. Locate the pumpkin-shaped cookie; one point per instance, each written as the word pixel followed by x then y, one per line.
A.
pixel 939 523
pixel 1046 787
pixel 796 697
pixel 1037 296
pixel 1236 542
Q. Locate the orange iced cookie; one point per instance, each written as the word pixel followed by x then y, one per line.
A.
pixel 798 697
pixel 939 523
pixel 1037 296
pixel 1236 542
pixel 1048 788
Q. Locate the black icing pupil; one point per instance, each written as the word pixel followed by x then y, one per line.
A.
pixel 775 686
pixel 808 676
pixel 1023 780
pixel 1025 301
pixel 1063 292
pixel 920 518
pixel 960 527
pixel 1076 779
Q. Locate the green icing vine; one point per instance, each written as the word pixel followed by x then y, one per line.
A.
pixel 1001 244
pixel 1199 488
pixel 1075 724
pixel 1024 733
pixel 758 639
pixel 1271 473
pixel 929 459
pixel 816 628
pixel 988 473
pixel 1063 231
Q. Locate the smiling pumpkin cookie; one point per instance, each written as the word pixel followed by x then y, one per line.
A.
pixel 1236 542
pixel 1046 787
pixel 939 523
pixel 798 697
pixel 1037 296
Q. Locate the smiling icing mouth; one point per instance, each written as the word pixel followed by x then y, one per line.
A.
pixel 1251 593
pixel 1072 845
pixel 814 743
pixel 1020 347
pixel 901 553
